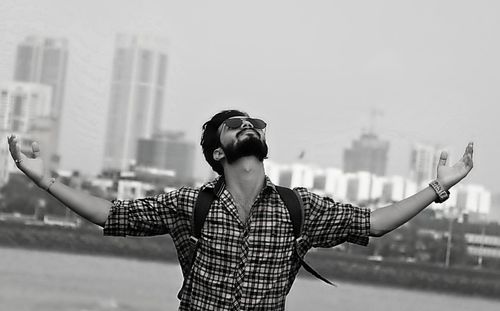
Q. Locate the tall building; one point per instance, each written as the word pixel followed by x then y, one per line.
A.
pixel 44 60
pixel 24 109
pixel 359 187
pixel 5 161
pixel 474 200
pixel 22 105
pixel 396 188
pixel 273 170
pixel 168 156
pixel 363 187
pixel 296 175
pixel 368 153
pixel 494 215
pixel 136 98
pixel 335 183
pixel 423 163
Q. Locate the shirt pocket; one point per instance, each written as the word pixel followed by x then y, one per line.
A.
pixel 207 277
pixel 220 241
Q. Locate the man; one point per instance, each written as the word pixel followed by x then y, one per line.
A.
pixel 247 257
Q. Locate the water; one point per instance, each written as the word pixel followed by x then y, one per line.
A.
pixel 43 281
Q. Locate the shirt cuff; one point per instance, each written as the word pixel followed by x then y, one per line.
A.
pixel 117 222
pixel 360 228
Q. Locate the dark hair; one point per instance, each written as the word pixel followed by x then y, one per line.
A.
pixel 210 139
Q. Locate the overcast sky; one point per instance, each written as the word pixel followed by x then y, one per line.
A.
pixel 312 69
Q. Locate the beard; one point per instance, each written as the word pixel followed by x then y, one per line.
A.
pixel 252 146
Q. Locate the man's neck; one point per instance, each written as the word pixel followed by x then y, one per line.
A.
pixel 245 179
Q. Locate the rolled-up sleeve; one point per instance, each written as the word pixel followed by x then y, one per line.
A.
pixel 142 217
pixel 328 223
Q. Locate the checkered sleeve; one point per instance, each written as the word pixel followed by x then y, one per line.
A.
pixel 142 217
pixel 328 223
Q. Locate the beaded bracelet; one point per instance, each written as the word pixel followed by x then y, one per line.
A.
pixel 51 182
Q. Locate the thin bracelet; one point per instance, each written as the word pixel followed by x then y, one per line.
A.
pixel 51 182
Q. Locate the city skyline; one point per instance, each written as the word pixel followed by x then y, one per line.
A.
pixel 136 98
pixel 24 107
pixel 431 68
pixel 374 190
pixel 43 60
pixel 367 153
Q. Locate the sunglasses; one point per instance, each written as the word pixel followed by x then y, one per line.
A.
pixel 235 123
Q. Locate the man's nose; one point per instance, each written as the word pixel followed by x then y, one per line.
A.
pixel 246 124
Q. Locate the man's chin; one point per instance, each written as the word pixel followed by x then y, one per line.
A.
pixel 244 158
pixel 249 147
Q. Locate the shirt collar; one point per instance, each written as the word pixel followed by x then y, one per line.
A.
pixel 268 185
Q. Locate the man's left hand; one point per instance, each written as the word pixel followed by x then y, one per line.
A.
pixel 448 176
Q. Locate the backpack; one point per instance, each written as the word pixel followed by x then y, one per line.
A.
pixel 293 203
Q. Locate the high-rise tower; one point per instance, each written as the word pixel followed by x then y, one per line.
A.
pixel 136 98
pixel 368 153
pixel 44 61
pixel 423 163
pixel 24 110
pixel 167 152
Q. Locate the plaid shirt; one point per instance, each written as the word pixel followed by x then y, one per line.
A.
pixel 240 266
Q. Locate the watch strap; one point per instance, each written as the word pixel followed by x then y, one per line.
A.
pixel 441 192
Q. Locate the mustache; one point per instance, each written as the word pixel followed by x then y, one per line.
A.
pixel 251 129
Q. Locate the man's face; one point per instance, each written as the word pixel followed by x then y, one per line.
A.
pixel 243 136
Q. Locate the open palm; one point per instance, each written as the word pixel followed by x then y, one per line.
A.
pixel 450 175
pixel 30 164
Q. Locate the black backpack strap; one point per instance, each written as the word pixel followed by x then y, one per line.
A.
pixel 202 206
pixel 315 273
pixel 293 203
pixel 200 212
pixel 295 206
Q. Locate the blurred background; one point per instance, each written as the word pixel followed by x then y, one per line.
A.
pixel 360 99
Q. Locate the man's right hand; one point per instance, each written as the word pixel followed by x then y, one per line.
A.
pixel 31 165
pixel 89 207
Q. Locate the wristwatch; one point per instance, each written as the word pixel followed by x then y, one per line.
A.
pixel 443 194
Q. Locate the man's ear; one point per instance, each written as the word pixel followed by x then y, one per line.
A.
pixel 218 154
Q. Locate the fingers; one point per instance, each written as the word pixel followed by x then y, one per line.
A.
pixel 469 150
pixel 443 158
pixel 15 150
pixel 35 149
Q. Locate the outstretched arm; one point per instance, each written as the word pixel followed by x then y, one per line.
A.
pixel 91 208
pixel 386 219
